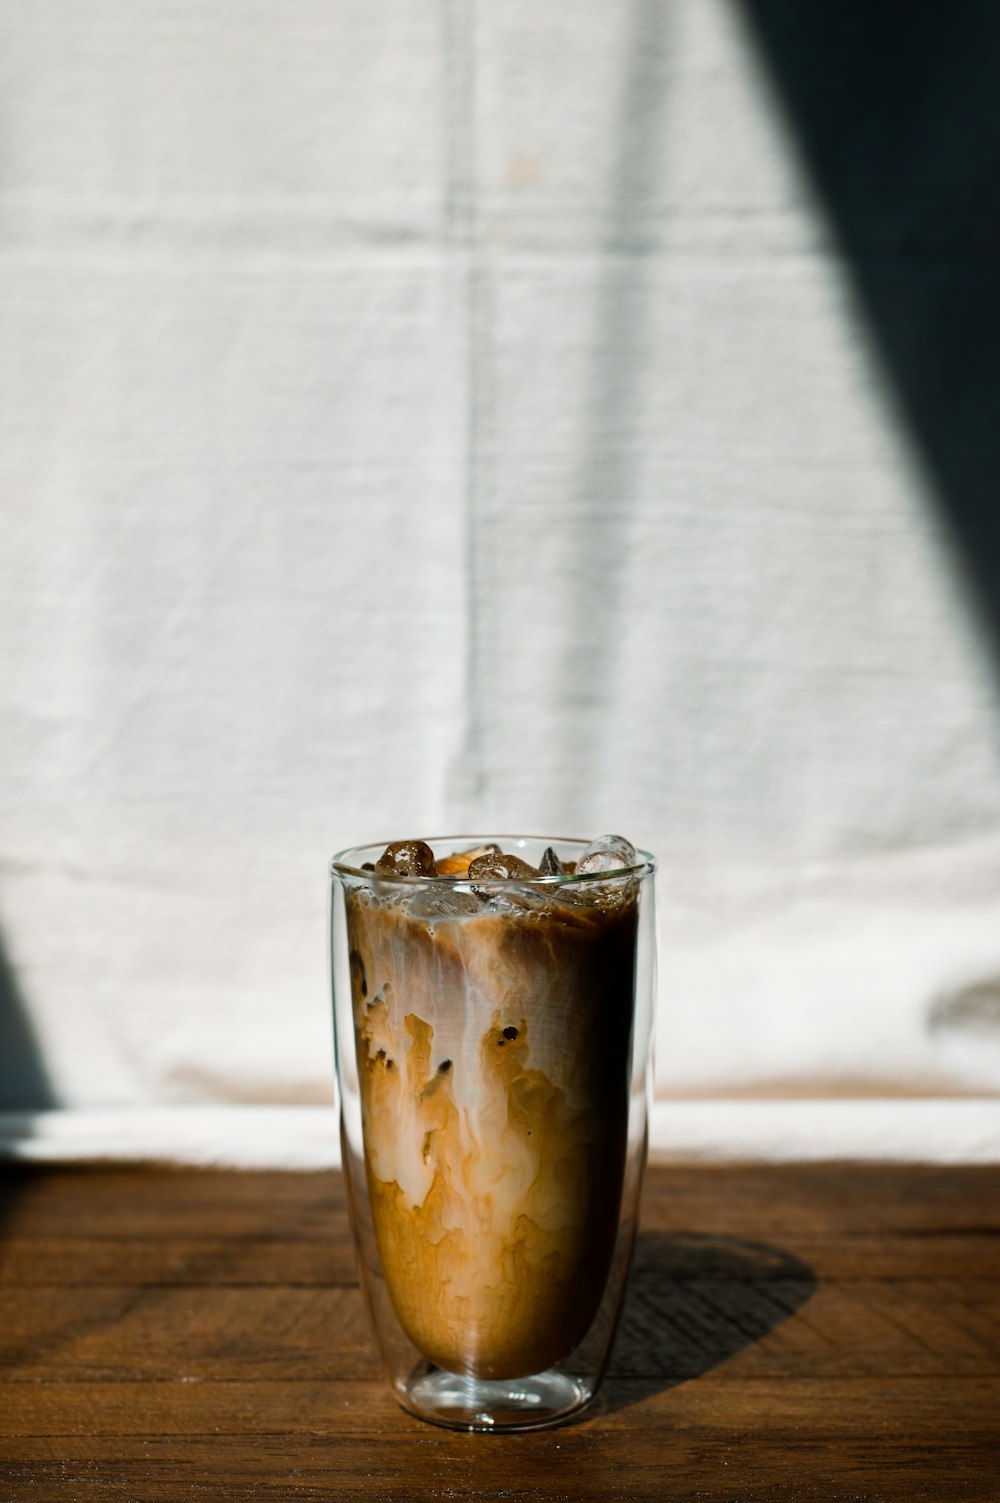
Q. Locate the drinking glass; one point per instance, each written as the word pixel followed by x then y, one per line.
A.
pixel 492 1045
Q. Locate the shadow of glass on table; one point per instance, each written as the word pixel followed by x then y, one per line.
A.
pixel 692 1302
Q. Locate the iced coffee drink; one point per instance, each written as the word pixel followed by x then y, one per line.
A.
pixel 493 1006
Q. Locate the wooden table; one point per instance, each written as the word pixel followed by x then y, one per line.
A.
pixel 807 1333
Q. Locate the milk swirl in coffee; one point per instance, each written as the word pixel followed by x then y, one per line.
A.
pixel 493 1025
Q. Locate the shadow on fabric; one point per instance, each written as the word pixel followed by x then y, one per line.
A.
pixel 893 106
pixel 694 1301
pixel 24 1081
pixel 25 1087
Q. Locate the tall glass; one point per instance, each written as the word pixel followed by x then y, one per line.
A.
pixel 493 1064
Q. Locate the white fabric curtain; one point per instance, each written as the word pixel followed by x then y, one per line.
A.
pixel 419 416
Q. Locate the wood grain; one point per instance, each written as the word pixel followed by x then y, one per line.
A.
pixel 828 1332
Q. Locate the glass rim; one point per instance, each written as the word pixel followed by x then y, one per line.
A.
pixel 340 864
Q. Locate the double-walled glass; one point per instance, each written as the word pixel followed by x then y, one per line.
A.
pixel 493 1064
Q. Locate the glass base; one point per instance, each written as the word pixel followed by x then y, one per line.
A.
pixel 492 1404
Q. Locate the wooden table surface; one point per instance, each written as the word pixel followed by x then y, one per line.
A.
pixel 791 1333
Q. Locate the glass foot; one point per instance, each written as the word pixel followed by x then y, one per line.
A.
pixel 492 1404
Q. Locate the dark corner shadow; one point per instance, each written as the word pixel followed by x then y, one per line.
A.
pixel 893 104
pixel 25 1086
pixel 692 1302
pixel 24 1080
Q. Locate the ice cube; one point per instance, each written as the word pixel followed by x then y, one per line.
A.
pixel 406 858
pixel 500 866
pixel 550 865
pixel 518 900
pixel 608 853
pixel 457 865
pixel 442 903
pixel 605 895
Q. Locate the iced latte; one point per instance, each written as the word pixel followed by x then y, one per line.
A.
pixel 492 1006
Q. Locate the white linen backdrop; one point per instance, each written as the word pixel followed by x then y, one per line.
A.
pixel 429 415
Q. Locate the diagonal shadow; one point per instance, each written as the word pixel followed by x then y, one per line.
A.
pixel 694 1301
pixel 893 104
